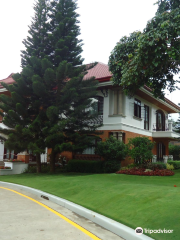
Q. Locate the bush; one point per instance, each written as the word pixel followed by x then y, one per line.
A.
pixel 84 166
pixel 140 149
pixel 176 164
pixel 169 166
pixel 111 166
pixel 153 166
pixel 159 165
pixel 174 150
pixel 111 149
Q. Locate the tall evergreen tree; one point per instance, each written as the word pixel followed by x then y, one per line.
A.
pixel 65 31
pixel 50 100
pixel 37 43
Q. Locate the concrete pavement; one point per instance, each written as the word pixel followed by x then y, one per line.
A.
pixel 21 218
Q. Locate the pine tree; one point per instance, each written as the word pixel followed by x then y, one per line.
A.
pixel 65 31
pixel 49 101
pixel 37 43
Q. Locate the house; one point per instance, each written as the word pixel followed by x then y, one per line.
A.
pixel 125 117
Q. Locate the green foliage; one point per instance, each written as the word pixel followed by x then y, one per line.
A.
pixel 152 57
pixel 176 164
pixel 158 165
pixel 140 149
pixel 174 150
pixel 111 166
pixel 111 149
pixel 49 97
pixel 169 166
pixel 84 166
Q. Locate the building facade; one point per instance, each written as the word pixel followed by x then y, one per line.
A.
pixel 122 116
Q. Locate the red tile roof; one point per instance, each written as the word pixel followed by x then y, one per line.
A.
pixel 101 70
pixel 8 80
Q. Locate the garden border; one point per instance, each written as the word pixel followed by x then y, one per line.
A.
pixel 111 225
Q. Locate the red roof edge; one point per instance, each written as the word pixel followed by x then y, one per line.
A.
pixel 166 99
pixel 104 79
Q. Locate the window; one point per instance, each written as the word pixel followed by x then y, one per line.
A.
pixel 91 150
pixel 98 105
pixel 160 120
pixel 137 108
pixel 146 117
pixel 118 135
pixel 9 154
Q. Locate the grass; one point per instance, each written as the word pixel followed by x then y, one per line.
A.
pixel 136 201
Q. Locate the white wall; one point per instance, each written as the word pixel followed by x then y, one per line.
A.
pixel 1 151
pixel 127 122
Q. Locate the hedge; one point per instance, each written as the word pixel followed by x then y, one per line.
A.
pixel 176 164
pixel 84 166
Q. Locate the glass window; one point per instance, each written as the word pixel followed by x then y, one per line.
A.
pixel 137 108
pixel 98 105
pixel 146 117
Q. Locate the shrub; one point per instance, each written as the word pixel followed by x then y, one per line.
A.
pixel 169 166
pixel 84 166
pixel 159 165
pixel 111 166
pixel 174 150
pixel 111 149
pixel 176 164
pixel 140 149
pixel 132 165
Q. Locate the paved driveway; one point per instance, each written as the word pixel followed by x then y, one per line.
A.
pixel 22 218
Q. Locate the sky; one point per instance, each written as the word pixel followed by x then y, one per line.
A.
pixel 103 24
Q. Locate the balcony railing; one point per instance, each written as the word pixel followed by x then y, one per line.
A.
pixel 157 127
pixel 97 120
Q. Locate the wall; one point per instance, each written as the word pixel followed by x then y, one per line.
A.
pixel 16 168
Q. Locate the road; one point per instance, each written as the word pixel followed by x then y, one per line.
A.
pixel 24 216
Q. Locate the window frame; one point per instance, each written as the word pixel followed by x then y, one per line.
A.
pixel 146 121
pixel 137 108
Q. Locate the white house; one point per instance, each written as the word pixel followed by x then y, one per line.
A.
pixel 123 117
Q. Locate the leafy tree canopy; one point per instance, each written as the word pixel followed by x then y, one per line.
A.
pixel 152 57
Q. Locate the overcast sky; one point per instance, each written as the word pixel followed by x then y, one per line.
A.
pixel 103 23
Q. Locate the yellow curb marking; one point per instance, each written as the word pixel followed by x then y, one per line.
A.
pixel 58 214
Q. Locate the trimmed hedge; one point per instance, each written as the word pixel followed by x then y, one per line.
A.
pixel 176 164
pixel 84 166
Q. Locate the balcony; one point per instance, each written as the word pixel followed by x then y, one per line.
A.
pixel 164 132
pixel 97 120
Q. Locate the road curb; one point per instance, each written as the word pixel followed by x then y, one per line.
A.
pixel 113 226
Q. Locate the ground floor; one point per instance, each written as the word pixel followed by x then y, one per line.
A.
pixel 160 148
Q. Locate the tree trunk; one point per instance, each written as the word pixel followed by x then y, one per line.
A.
pixel 38 162
pixel 52 161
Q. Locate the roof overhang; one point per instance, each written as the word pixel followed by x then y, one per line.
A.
pixel 142 92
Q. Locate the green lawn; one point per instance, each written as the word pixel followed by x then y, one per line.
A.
pixel 136 201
